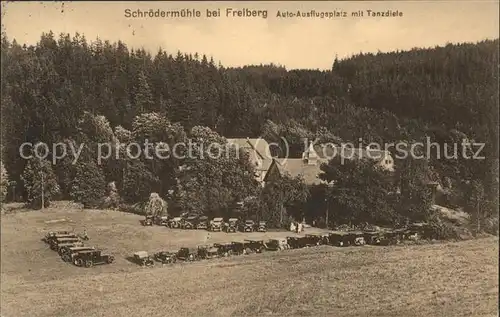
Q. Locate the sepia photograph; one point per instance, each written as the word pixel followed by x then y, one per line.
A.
pixel 249 158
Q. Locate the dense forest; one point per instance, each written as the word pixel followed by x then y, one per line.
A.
pixel 68 89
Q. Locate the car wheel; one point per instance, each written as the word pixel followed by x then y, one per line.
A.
pixel 88 263
pixel 66 258
pixel 78 262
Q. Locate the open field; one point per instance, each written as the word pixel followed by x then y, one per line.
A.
pixel 449 279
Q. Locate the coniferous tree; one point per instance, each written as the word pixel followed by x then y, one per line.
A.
pixel 40 182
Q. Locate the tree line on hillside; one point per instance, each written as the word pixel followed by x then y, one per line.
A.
pixel 67 89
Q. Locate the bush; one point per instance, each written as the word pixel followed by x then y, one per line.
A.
pixel 443 230
pixel 113 199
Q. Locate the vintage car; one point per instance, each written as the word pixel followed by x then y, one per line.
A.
pixel 254 246
pixel 298 242
pixel 50 239
pixel 202 223
pixel 208 252
pixel 248 226
pixel 143 258
pixel 355 238
pixel 89 258
pixel 217 224
pixel 52 234
pixel 161 220
pixel 187 254
pixel 165 257
pixel 148 220
pixel 175 223
pixel 190 222
pixel 390 237
pixel 373 237
pixel 339 239
pixel 419 230
pixel 225 249
pixel 62 246
pixel 262 226
pixel 238 247
pixel 317 239
pixel 277 245
pixel 54 244
pixel 399 234
pixel 232 225
pixel 70 253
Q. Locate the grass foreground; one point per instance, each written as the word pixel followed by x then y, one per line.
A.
pixel 444 279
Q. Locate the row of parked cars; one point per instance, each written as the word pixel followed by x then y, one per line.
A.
pixel 249 246
pixel 187 221
pixel 71 248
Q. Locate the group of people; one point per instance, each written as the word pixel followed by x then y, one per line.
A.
pixel 296 227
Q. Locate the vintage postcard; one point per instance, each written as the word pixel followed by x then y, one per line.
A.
pixel 329 158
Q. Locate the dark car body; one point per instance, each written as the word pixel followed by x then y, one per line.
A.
pixel 68 253
pixel 53 234
pixel 238 247
pixel 277 244
pixel 217 224
pixel 175 223
pixel 187 254
pixel 55 243
pixel 248 226
pixel 50 239
pixel 298 242
pixel 165 257
pixel 225 249
pixel 232 225
pixel 373 237
pixel 202 223
pixel 61 247
pixel 90 258
pixel 143 258
pixel 162 220
pixel 148 220
pixel 208 252
pixel 317 239
pixel 255 246
pixel 262 226
pixel 190 222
